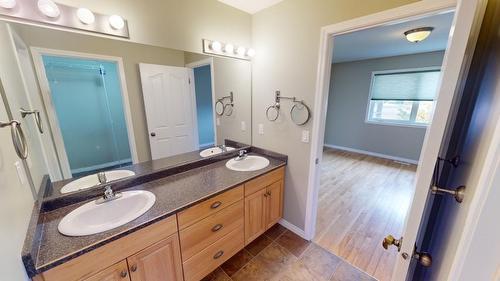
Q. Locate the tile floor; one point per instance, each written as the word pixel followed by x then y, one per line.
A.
pixel 280 254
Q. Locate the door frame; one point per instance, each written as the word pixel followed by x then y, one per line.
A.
pixel 199 63
pixel 452 70
pixel 37 54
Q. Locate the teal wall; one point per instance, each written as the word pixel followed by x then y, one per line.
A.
pixel 204 110
pixel 89 110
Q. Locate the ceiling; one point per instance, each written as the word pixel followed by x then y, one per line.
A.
pixel 388 40
pixel 250 6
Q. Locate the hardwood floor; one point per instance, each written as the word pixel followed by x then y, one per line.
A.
pixel 361 200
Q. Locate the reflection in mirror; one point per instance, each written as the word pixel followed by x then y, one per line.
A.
pixel 109 104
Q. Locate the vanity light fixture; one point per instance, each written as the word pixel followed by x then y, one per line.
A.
pixel 229 48
pixel 85 16
pixel 241 51
pixel 251 53
pixel 116 22
pixel 418 34
pixel 8 4
pixel 48 8
pixel 216 46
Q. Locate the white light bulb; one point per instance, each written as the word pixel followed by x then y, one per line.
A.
pixel 216 46
pixel 8 4
pixel 85 15
pixel 229 48
pixel 251 53
pixel 241 51
pixel 48 8
pixel 116 22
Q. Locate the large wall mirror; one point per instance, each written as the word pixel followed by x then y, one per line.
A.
pixel 93 104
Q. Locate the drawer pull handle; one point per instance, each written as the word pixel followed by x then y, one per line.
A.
pixel 217 227
pixel 216 205
pixel 218 254
pixel 133 268
pixel 123 274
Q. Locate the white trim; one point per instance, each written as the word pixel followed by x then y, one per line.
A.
pixel 396 124
pixel 203 62
pixel 206 144
pixel 101 166
pixel 459 49
pixel 194 115
pixel 293 228
pixel 37 54
pixel 375 154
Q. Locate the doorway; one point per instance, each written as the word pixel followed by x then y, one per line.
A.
pixel 85 98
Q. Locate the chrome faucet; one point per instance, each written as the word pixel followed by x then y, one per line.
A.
pixel 108 195
pixel 101 176
pixel 223 147
pixel 242 154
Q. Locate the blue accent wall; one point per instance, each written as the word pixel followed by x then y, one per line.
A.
pixel 89 110
pixel 203 86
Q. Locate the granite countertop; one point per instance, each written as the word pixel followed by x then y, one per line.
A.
pixel 173 194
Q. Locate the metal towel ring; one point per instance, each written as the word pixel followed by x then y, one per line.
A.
pixel 300 105
pixel 38 118
pixel 223 107
pixel 228 109
pixel 275 107
pixel 18 138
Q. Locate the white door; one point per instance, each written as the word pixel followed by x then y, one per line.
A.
pixel 170 109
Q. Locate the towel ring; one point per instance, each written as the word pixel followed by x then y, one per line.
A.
pixel 273 112
pixel 18 138
pixel 219 108
pixel 295 113
pixel 228 109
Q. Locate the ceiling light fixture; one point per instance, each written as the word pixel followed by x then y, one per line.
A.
pixel 85 15
pixel 116 22
pixel 8 4
pixel 418 34
pixel 48 8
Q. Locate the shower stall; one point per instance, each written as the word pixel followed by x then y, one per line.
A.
pixel 87 99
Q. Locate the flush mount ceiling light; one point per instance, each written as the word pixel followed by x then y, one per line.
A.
pixel 48 8
pixel 85 15
pixel 418 34
pixel 116 22
pixel 216 46
pixel 8 4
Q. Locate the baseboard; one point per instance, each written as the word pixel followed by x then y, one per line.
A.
pixel 293 228
pixel 375 154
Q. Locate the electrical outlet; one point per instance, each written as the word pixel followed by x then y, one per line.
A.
pixel 261 129
pixel 243 126
pixel 305 136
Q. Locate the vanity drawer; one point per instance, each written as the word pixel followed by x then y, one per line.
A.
pixel 214 255
pixel 205 232
pixel 264 181
pixel 208 207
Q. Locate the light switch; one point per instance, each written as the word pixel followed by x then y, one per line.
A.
pixel 305 136
pixel 261 129
pixel 217 121
pixel 243 126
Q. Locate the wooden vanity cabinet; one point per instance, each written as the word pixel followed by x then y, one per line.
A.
pixel 116 272
pixel 263 203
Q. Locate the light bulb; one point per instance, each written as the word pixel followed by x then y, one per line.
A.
pixel 229 48
pixel 216 46
pixel 251 53
pixel 48 8
pixel 116 22
pixel 241 51
pixel 8 4
pixel 85 15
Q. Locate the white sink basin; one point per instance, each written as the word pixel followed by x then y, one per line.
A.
pixel 213 151
pixel 92 180
pixel 92 218
pixel 250 163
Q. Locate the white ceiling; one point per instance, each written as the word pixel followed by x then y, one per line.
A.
pixel 388 40
pixel 250 6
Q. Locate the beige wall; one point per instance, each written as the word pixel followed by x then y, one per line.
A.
pixel 177 24
pixel 286 38
pixel 131 53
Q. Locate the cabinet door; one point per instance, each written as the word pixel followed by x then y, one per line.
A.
pixel 159 262
pixel 116 272
pixel 255 215
pixel 274 203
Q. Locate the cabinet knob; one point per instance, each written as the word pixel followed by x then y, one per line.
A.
pixel 124 273
pixel 269 193
pixel 217 227
pixel 216 204
pixel 218 254
pixel 153 134
pixel 133 268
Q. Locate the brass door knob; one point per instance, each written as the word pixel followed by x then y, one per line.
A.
pixel 390 240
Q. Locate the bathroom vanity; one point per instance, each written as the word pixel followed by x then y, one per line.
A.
pixel 202 216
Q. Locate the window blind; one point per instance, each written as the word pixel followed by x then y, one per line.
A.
pixel 410 86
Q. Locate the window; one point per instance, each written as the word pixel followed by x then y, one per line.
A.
pixel 403 97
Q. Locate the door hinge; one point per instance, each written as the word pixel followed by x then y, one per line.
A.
pixel 316 161
pixel 189 80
